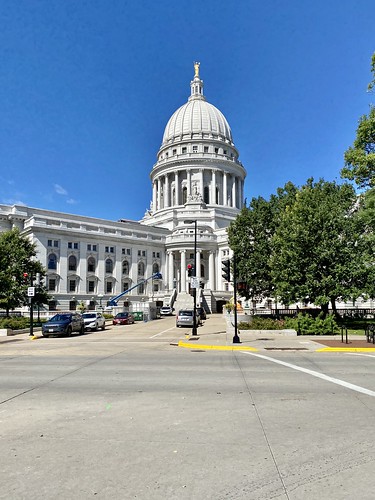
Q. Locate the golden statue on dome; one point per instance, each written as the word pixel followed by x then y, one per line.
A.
pixel 196 69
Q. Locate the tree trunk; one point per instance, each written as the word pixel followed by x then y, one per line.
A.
pixel 324 308
pixel 334 308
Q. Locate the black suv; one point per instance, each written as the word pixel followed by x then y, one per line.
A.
pixel 64 324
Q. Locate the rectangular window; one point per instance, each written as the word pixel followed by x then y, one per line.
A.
pixel 72 285
pixel 91 287
pixel 110 249
pixel 174 151
pixel 95 248
pixel 49 243
pixel 216 150
pixel 143 253
pixel 56 243
pixel 206 149
pixel 158 255
pixel 51 285
pixel 89 247
pixel 70 244
pixel 184 150
pixel 109 287
pixel 195 149
pixel 75 246
pixel 139 253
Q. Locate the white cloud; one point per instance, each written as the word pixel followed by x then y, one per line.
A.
pixel 11 201
pixel 71 201
pixel 60 190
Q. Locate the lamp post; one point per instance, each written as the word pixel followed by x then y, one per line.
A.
pixel 100 297
pixel 194 332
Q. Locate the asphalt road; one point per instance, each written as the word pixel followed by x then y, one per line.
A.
pixel 123 414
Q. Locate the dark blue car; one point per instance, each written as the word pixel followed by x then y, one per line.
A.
pixel 64 324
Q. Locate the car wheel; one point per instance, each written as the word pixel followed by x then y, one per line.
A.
pixel 69 331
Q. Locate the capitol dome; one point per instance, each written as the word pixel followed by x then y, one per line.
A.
pixel 197 119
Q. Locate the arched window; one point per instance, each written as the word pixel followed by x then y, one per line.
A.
pixel 206 195
pixel 184 195
pixel 155 268
pixel 52 261
pixel 125 267
pixel 109 266
pixel 141 289
pixel 72 263
pixel 141 269
pixel 91 263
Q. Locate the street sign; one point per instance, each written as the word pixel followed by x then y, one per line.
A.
pixel 194 282
pixel 31 291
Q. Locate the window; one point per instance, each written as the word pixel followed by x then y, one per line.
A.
pixel 155 268
pixel 125 267
pixel 72 263
pixel 125 286
pixel 91 264
pixel 109 266
pixel 110 249
pixel 51 285
pixel 73 244
pixel 141 289
pixel 109 287
pixel 72 305
pixel 126 251
pixel 184 195
pixel 195 149
pixel 89 247
pixel 202 271
pixel 141 269
pixel 49 243
pixel 156 255
pixel 91 287
pixel 72 285
pixel 166 154
pixel 184 150
pixel 206 195
pixel 216 150
pixel 70 244
pixel 95 248
pixel 206 149
pixel 141 253
pixel 174 151
pixel 52 261
pixel 225 151
pixel 56 243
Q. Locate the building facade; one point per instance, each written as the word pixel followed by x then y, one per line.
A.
pixel 197 190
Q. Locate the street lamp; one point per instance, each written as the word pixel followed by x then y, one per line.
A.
pixel 194 332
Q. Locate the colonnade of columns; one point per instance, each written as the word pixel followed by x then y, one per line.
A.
pixel 176 266
pixel 222 189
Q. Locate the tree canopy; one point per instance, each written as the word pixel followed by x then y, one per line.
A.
pixel 17 258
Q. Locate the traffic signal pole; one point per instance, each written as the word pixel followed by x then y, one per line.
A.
pixel 31 334
pixel 236 338
pixel 194 332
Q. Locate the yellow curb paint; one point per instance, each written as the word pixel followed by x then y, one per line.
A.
pixel 216 347
pixel 346 349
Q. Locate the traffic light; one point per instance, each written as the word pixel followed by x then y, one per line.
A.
pixel 25 277
pixel 226 269
pixel 190 270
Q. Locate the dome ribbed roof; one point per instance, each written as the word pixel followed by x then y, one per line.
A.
pixel 197 116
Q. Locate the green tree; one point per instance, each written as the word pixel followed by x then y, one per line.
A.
pixel 17 258
pixel 250 236
pixel 319 252
pixel 360 158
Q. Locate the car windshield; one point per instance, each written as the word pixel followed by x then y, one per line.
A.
pixel 61 317
pixel 89 315
pixel 122 315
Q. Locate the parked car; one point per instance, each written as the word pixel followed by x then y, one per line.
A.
pixel 202 313
pixel 185 317
pixel 64 324
pixel 166 311
pixel 93 320
pixel 123 318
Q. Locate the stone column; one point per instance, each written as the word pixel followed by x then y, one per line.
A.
pixel 201 182
pixel 170 271
pixel 159 193
pixel 154 196
pixel 177 188
pixel 225 189
pixel 183 270
pixel 188 182
pixel 234 197
pixel 166 192
pixel 198 269
pixel 211 270
pixel 213 187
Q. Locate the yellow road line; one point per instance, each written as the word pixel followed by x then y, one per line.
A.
pixel 215 347
pixel 346 349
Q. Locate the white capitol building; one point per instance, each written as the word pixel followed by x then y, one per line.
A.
pixel 197 177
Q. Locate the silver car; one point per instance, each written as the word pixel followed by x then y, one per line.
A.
pixel 93 320
pixel 185 317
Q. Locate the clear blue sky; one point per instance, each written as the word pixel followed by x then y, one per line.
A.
pixel 87 87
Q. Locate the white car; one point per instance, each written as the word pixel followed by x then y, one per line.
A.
pixel 93 320
pixel 166 311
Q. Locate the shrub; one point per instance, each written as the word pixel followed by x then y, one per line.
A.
pixel 306 325
pixel 259 323
pixel 108 316
pixel 17 323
